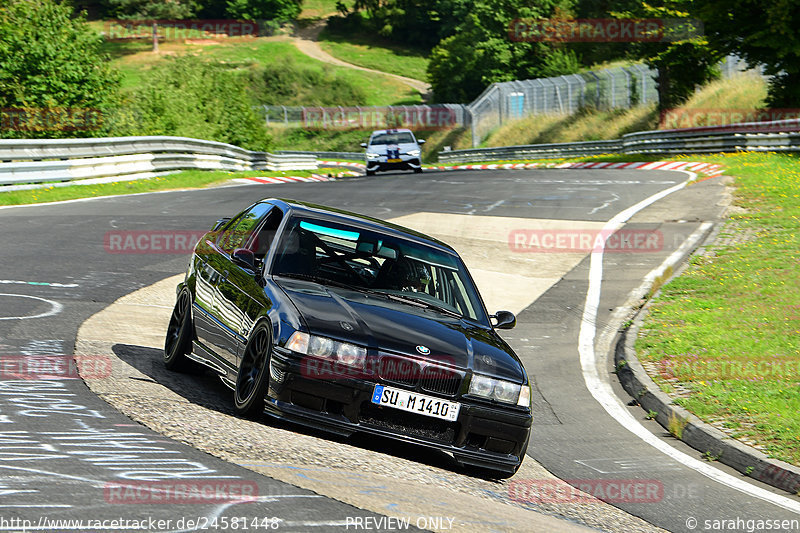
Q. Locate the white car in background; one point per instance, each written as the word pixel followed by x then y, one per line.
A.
pixel 393 149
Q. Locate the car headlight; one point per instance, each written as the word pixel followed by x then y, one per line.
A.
pixel 372 156
pixel 500 390
pixel 413 153
pixel 343 352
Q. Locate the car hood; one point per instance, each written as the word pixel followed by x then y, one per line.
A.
pixel 390 326
pixel 382 148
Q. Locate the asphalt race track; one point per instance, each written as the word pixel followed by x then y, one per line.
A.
pixel 64 451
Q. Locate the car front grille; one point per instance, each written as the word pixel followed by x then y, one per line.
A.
pixel 440 380
pixel 430 378
pixel 407 423
pixel 399 370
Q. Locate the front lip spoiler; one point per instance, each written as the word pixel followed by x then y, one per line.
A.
pixel 335 425
pixel 410 164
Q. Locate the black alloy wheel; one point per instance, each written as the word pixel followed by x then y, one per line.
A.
pixel 252 380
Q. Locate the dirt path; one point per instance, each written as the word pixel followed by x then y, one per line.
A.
pixel 305 40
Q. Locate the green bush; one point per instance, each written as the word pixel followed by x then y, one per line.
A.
pixel 263 9
pixel 188 97
pixel 51 65
pixel 284 82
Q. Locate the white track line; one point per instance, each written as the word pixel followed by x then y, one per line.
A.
pixel 601 389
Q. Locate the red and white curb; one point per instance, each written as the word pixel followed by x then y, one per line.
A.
pixel 342 164
pixel 710 170
pixel 705 168
pixel 293 179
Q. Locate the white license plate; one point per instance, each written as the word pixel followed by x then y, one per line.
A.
pixel 415 403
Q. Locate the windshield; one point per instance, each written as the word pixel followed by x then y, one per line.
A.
pixel 339 255
pixel 392 138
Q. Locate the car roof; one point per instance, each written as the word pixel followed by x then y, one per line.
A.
pixel 333 214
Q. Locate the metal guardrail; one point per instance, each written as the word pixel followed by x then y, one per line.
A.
pixel 350 156
pixel 47 160
pixel 778 136
pixel 533 151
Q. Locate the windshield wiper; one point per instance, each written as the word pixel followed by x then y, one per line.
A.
pixel 421 303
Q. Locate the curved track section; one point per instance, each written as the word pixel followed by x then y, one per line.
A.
pixel 73 448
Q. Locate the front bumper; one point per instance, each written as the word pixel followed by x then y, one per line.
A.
pixel 404 163
pixel 483 435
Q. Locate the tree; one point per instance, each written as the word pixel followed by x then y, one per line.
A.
pixel 684 59
pixel 50 60
pixel 151 9
pixel 281 10
pixel 763 32
pixel 480 51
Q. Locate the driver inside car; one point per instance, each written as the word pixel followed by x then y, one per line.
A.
pixel 408 275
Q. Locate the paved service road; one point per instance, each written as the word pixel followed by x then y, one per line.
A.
pixel 69 447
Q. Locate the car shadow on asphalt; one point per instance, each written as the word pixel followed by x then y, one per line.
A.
pixel 205 389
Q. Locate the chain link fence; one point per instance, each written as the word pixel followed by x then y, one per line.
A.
pixel 619 87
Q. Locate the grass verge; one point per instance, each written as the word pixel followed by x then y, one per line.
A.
pixel 135 58
pixel 189 179
pixel 366 52
pixel 728 328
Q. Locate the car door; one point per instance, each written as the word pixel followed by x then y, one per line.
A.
pixel 206 283
pixel 254 302
pixel 231 300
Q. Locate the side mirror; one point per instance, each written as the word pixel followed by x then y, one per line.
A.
pixel 505 320
pixel 219 223
pixel 363 145
pixel 420 141
pixel 244 258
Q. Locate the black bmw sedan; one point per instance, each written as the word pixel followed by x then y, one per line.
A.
pixel 351 324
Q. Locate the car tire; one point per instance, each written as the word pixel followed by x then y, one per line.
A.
pixel 418 170
pixel 370 172
pixel 252 380
pixel 179 336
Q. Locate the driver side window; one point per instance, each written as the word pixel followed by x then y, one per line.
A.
pixel 263 239
pixel 240 233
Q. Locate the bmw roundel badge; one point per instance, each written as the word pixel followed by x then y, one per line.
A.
pixel 424 350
